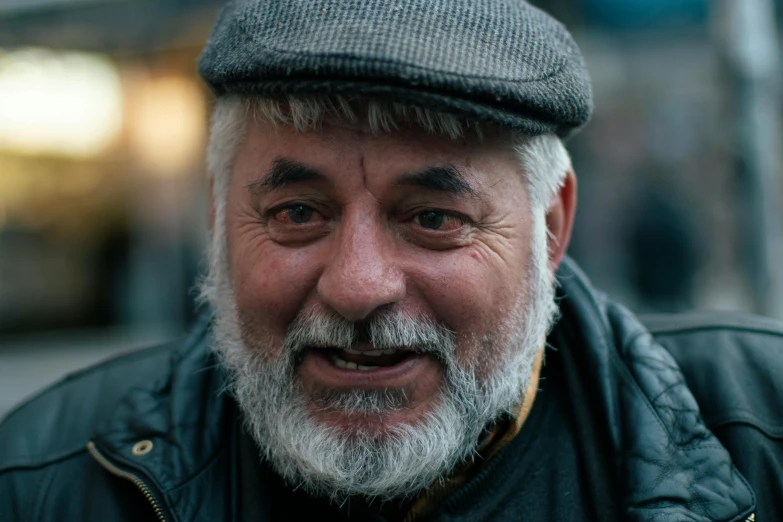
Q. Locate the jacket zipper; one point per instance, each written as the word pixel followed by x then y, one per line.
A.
pixel 114 470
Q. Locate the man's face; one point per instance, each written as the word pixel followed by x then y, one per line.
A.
pixel 379 300
pixel 348 223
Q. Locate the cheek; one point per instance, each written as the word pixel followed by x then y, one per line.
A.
pixel 473 295
pixel 271 283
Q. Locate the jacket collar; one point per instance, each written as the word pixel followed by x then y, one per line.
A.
pixel 671 466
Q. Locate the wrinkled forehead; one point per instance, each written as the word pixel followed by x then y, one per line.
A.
pixel 377 143
pixel 327 132
pixel 344 160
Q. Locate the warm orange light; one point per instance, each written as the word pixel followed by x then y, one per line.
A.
pixel 166 125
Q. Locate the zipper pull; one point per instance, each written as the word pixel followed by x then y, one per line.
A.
pixel 140 448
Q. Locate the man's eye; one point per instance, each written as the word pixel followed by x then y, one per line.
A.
pixel 295 214
pixel 437 220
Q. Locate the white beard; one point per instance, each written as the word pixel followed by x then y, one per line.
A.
pixel 404 459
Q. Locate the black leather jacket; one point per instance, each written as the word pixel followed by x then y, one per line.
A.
pixel 692 406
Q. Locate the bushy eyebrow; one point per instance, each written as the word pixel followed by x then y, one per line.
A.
pixel 441 178
pixel 444 178
pixel 284 172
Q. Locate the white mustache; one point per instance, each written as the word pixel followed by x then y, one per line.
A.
pixel 386 329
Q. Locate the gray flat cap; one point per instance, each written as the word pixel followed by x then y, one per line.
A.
pixel 498 61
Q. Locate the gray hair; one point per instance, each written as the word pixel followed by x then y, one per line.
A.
pixel 543 159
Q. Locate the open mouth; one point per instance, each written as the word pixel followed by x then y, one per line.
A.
pixel 367 360
pixel 363 366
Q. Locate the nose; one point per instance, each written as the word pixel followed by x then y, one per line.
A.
pixel 361 275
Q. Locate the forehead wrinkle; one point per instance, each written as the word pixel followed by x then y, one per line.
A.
pixel 363 170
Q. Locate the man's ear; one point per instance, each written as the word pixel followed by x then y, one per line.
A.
pixel 560 220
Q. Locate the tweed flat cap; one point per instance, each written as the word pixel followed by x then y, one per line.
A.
pixel 499 61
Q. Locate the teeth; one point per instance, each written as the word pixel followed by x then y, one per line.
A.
pixel 355 352
pixel 347 365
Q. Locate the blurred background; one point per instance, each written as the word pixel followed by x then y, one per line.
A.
pixel 103 203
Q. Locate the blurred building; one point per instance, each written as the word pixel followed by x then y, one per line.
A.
pixel 102 185
pixel 102 190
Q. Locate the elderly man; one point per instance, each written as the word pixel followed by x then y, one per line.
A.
pixel 391 204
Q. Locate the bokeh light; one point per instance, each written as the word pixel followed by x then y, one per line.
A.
pixel 166 124
pixel 58 103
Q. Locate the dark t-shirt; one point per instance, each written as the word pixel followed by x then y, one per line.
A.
pixel 545 474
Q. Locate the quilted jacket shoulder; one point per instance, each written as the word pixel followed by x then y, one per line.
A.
pixel 733 364
pixel 55 423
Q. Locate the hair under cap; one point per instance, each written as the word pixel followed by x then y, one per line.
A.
pixel 503 62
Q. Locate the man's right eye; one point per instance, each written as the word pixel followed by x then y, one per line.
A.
pixel 294 215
